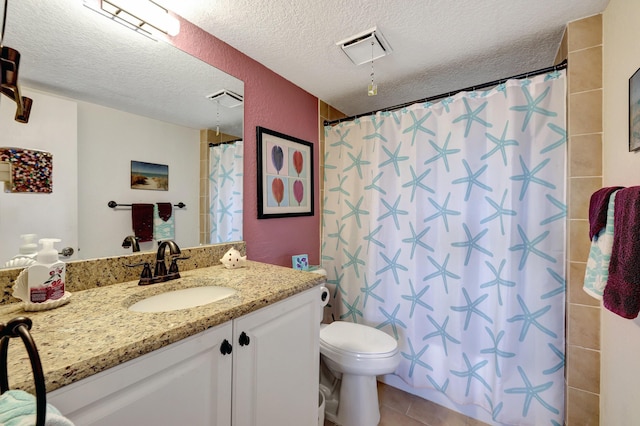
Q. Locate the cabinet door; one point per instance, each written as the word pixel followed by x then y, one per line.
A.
pixel 275 364
pixel 186 383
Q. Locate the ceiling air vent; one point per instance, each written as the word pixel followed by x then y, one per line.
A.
pixel 358 48
pixel 226 98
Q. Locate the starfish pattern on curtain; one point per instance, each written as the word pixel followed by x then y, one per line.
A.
pixel 444 226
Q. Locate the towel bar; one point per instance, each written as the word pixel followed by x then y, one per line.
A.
pixel 19 327
pixel 113 205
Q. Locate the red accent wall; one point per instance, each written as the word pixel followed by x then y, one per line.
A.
pixel 277 104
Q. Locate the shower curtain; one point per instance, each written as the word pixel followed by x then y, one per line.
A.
pixel 225 192
pixel 444 226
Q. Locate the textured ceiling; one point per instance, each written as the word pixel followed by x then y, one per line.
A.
pixel 438 45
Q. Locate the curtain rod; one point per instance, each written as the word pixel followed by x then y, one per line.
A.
pixel 562 65
pixel 224 143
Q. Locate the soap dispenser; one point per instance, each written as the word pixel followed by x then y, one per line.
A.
pixel 46 277
pixel 29 248
pixel 26 254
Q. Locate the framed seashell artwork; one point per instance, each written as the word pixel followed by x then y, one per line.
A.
pixel 285 175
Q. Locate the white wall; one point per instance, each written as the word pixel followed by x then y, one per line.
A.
pixel 108 140
pixel 620 338
pixel 52 127
pixel 92 149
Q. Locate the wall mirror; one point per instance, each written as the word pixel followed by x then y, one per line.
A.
pixel 104 96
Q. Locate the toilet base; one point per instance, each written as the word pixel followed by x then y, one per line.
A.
pixel 358 401
pixel 330 388
pixel 350 400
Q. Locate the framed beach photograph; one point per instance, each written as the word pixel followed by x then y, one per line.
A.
pixel 149 176
pixel 634 111
pixel 285 175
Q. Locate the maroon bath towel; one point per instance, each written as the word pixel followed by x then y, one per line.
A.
pixel 598 206
pixel 142 221
pixel 622 293
pixel 164 211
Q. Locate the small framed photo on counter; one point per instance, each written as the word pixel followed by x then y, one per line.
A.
pixel 300 262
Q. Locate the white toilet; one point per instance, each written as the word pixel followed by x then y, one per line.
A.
pixel 351 356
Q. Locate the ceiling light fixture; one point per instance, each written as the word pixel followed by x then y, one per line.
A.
pixel 366 46
pixel 226 98
pixel 143 16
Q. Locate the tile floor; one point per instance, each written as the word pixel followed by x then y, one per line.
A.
pixel 398 408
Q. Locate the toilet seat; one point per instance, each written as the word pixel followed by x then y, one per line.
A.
pixel 356 340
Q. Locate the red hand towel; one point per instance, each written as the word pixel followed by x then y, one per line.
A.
pixel 598 206
pixel 164 211
pixel 622 292
pixel 142 221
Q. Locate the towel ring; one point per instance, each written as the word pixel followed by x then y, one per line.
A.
pixel 19 327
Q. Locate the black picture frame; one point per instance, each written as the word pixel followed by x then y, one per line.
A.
pixel 285 175
pixel 634 111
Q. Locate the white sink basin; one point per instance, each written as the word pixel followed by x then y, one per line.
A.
pixel 182 299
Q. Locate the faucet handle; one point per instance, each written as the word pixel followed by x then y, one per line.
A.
pixel 145 276
pixel 146 271
pixel 173 268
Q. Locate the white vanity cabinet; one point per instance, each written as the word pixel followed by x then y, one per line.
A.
pixel 186 383
pixel 269 378
pixel 275 375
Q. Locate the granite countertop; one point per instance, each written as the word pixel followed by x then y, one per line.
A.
pixel 96 331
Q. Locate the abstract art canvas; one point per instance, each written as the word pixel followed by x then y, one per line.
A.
pixel 31 170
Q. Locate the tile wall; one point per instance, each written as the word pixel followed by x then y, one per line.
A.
pixel 583 47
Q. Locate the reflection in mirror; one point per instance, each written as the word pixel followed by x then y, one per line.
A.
pixel 104 96
pixel 225 191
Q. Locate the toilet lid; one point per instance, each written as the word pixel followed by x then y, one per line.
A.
pixel 357 338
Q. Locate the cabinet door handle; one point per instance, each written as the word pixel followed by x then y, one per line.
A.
pixel 244 339
pixel 225 347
